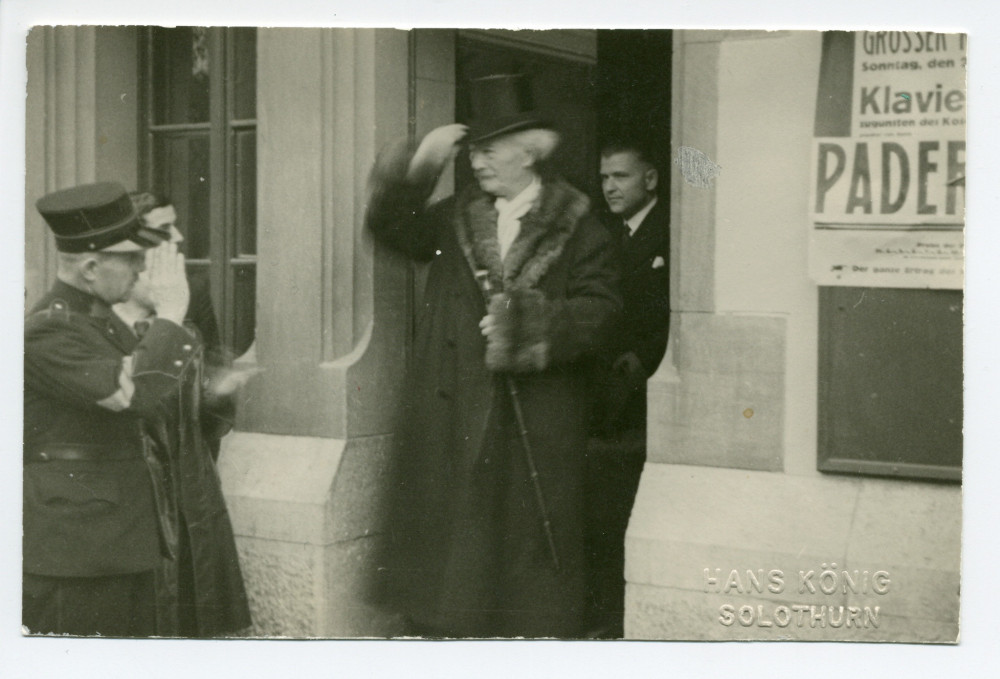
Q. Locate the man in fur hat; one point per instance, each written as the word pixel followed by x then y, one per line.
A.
pixel 522 291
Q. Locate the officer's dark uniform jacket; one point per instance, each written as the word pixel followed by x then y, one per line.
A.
pixel 89 505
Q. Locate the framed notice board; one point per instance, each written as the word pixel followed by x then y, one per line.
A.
pixel 890 382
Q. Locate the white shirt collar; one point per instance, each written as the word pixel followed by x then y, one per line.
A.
pixel 527 196
pixel 635 221
pixel 509 213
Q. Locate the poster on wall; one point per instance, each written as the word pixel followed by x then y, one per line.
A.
pixel 888 188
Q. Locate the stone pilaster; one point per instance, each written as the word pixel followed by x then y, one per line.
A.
pixel 303 476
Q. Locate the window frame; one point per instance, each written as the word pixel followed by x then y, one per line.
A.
pixel 224 256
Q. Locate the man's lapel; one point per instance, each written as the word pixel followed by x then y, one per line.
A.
pixel 644 241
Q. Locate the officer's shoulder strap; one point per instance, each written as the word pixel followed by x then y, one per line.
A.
pixel 56 309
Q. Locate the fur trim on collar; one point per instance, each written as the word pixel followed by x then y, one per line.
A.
pixel 540 242
pixel 476 229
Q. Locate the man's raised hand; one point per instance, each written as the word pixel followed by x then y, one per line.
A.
pixel 168 286
pixel 436 149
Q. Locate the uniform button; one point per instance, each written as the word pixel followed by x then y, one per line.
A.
pixel 178 363
pixel 59 305
pixel 187 347
pixel 44 457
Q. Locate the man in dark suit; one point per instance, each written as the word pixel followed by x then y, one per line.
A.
pixel 158 213
pixel 93 491
pixel 617 448
pixel 201 590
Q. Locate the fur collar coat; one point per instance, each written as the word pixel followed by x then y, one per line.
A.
pixel 462 549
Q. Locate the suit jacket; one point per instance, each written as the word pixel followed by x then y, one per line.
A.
pixel 93 517
pixel 201 314
pixel 618 401
pixel 645 285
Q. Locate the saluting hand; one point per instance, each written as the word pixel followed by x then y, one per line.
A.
pixel 435 149
pixel 168 286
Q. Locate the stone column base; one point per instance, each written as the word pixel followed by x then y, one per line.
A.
pixel 304 510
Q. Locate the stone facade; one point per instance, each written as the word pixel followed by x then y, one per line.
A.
pixel 730 483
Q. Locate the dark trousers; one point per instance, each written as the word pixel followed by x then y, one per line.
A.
pixel 613 469
pixel 110 606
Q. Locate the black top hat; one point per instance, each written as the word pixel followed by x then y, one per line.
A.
pixel 95 218
pixel 502 104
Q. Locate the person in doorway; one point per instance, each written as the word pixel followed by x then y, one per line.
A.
pixel 522 289
pixel 617 449
pixel 95 523
pixel 200 590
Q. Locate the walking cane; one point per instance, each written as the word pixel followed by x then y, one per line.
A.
pixel 484 285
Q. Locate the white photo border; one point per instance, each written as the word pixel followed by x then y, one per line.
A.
pixel 33 657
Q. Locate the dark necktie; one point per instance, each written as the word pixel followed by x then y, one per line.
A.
pixel 140 328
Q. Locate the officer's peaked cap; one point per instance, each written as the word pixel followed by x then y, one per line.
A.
pixel 95 218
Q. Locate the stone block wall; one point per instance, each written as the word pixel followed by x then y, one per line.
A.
pixel 699 530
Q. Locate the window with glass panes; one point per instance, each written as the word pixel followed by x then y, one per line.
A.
pixel 199 149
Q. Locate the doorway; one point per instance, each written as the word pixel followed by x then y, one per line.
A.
pixel 595 86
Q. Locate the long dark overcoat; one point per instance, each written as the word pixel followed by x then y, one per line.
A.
pixel 200 591
pixel 465 551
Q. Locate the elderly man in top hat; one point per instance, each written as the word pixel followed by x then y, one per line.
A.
pixel 484 524
pixel 93 490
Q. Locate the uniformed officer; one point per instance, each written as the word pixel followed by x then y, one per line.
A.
pixel 92 528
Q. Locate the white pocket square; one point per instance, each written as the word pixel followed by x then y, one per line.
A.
pixel 658 262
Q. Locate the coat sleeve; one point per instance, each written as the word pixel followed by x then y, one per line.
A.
pixel 201 314
pixel 218 414
pixel 397 209
pixel 66 358
pixel 582 322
